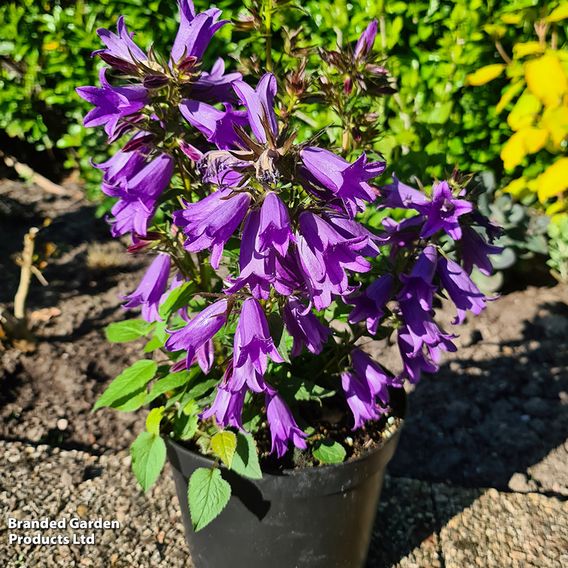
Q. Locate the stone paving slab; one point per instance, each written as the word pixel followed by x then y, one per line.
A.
pixel 419 525
pixel 491 529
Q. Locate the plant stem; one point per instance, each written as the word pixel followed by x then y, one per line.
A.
pixel 268 33
pixel 25 274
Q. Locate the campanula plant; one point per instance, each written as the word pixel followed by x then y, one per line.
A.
pixel 265 282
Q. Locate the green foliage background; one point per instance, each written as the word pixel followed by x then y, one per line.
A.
pixel 433 123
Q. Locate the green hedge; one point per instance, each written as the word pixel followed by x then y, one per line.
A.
pixel 433 123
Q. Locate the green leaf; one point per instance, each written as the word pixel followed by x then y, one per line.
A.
pixel 285 345
pixel 304 390
pixel 203 444
pixel 208 494
pixel 132 402
pixel 128 384
pixel 282 339
pixel 169 383
pixel 190 408
pixel 185 426
pixel 153 420
pixel 148 458
pixel 128 330
pixel 177 298
pixel 245 461
pixel 159 338
pixel 202 388
pixel 224 445
pixel 329 451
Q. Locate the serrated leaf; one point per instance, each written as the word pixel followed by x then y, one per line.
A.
pixel 329 451
pixel 128 330
pixel 153 420
pixel 190 408
pixel 185 426
pixel 245 460
pixel 148 458
pixel 203 444
pixel 169 383
pixel 177 298
pixel 128 384
pixel 207 494
pixel 224 445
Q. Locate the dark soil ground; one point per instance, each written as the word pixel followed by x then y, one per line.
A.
pixel 47 395
pixel 499 407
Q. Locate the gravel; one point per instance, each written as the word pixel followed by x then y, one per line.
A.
pixel 419 524
pixel 498 530
pixel 37 482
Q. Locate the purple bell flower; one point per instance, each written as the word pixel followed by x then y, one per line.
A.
pixel 210 222
pixel 227 408
pixel 121 52
pixel 400 195
pixel 475 251
pixel 351 229
pixel 422 330
pixel 216 85
pixel 283 427
pixel 216 125
pixel 370 304
pixel 346 181
pixel 149 292
pixel 401 235
pixel 274 229
pixel 305 328
pixel 205 356
pixel 325 256
pixel 366 40
pixel 112 103
pixel 415 302
pixel 228 404
pixel 252 347
pixel 259 103
pixel 195 31
pixel 257 270
pixel 418 287
pixel 414 362
pixel 138 196
pixel 200 330
pixel 288 276
pixel 360 399
pixel 377 378
pixel 121 166
pixel 261 267
pixel 443 212
pixel 222 169
pixel 461 289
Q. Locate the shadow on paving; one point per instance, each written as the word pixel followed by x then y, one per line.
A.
pixel 476 424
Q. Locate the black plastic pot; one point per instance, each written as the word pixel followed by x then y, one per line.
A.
pixel 318 517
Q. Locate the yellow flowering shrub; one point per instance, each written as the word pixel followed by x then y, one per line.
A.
pixel 536 97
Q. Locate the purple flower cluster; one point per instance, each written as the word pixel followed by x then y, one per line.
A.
pixel 292 210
